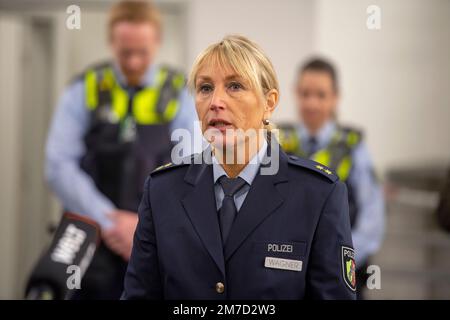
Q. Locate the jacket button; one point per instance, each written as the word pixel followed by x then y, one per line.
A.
pixel 220 288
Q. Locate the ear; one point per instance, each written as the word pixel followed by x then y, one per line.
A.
pixel 271 102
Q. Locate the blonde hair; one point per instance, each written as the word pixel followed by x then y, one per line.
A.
pixel 136 11
pixel 244 57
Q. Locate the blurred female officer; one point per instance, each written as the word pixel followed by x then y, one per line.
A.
pixel 251 223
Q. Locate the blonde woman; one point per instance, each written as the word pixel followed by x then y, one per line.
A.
pixel 242 220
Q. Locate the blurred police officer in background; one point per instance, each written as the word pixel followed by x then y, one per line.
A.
pixel 321 138
pixel 111 128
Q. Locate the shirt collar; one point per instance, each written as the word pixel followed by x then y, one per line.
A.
pixel 148 79
pixel 323 136
pixel 249 172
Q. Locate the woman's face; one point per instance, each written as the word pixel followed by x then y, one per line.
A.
pixel 226 102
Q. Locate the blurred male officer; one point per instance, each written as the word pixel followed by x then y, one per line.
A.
pixel 342 149
pixel 111 128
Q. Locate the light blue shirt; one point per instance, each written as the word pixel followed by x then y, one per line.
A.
pixel 248 174
pixel 368 232
pixel 65 147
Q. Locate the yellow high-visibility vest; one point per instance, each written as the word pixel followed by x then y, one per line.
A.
pixel 146 108
pixel 337 155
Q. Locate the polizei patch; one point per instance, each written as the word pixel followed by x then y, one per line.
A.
pixel 349 267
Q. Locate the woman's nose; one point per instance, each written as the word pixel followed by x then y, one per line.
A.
pixel 218 99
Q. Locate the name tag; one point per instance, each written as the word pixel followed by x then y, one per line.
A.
pixel 285 264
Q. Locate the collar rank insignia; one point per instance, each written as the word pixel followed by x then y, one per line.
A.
pixel 322 168
pixel 163 166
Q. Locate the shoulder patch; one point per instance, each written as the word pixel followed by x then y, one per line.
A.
pixel 314 166
pixel 348 267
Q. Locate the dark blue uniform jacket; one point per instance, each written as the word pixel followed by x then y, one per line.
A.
pixel 291 238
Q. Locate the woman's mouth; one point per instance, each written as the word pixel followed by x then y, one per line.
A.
pixel 220 124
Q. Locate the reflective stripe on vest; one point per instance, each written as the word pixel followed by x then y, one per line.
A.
pixel 145 102
pixel 90 86
pixel 289 140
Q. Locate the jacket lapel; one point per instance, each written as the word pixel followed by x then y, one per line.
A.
pixel 200 206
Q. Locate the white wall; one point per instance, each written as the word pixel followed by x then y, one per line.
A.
pixel 11 32
pixel 395 80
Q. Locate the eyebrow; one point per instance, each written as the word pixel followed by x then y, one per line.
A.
pixel 227 78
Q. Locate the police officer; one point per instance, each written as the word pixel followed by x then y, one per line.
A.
pixel 321 138
pixel 242 220
pixel 111 127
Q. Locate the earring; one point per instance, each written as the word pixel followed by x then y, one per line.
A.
pixel 266 122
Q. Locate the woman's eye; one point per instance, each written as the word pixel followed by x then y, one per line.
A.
pixel 205 88
pixel 235 86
